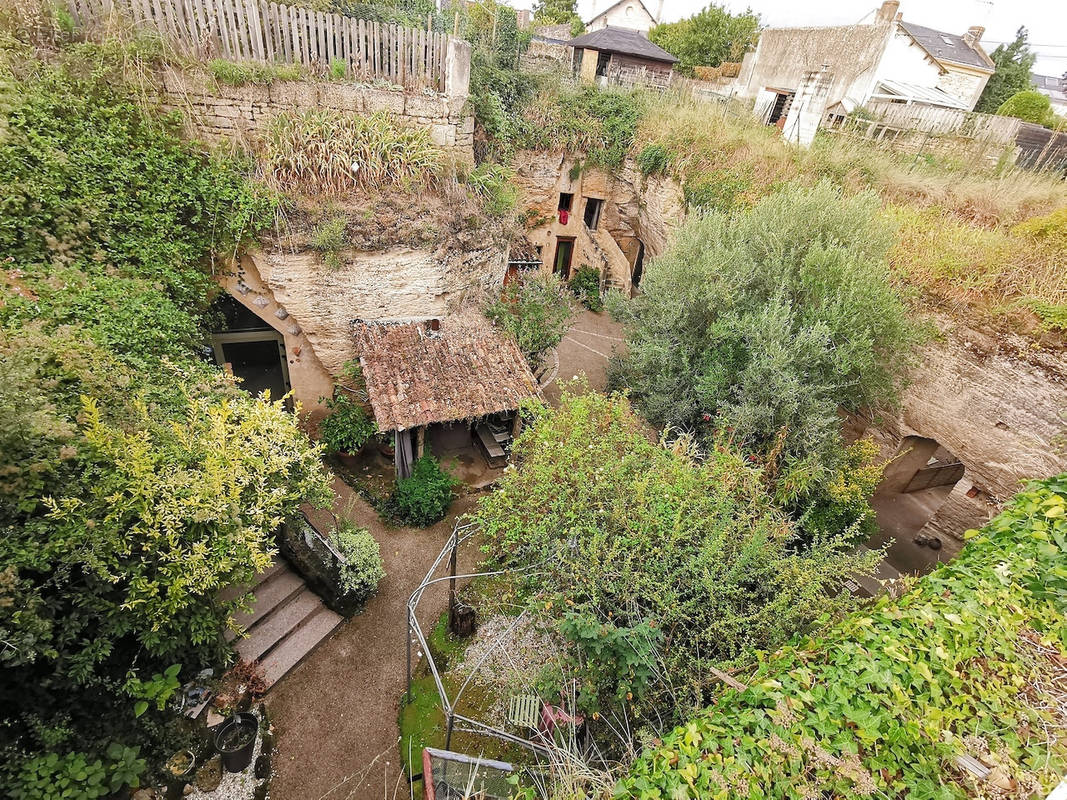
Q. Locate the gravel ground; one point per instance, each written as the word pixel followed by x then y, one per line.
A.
pixel 235 785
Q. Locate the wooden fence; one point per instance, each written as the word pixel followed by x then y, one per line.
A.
pixel 930 119
pixel 257 30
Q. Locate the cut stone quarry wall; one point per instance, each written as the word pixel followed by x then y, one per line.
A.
pixel 216 112
pixel 636 208
pixel 313 305
pixel 996 402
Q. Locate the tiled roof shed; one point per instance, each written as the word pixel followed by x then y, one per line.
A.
pixel 417 376
pixel 624 41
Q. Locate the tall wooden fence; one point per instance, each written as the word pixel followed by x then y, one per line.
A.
pixel 257 30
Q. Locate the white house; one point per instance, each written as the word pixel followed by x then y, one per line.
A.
pixel 632 14
pixel 797 74
pixel 1055 89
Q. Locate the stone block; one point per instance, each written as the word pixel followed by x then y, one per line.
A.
pixel 421 105
pixel 294 94
pixel 342 97
pixel 443 135
pixel 384 100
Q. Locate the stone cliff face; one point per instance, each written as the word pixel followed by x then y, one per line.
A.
pixel 996 402
pixel 637 210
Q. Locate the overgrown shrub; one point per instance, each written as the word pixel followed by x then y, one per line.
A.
pixel 654 564
pixel 494 184
pixel 758 327
pixel 329 238
pixel 1029 106
pixel 885 702
pixel 423 498
pixel 654 159
pixel 585 284
pixel 333 152
pixel 363 568
pixel 536 311
pixel 77 776
pixel 720 190
pixel 242 73
pixel 597 123
pixel 348 426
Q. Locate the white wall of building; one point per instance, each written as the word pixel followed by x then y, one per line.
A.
pixel 629 14
pixel 904 60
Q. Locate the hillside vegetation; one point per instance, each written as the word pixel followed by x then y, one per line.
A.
pixel 968 663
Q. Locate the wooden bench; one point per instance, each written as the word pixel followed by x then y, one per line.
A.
pixel 494 453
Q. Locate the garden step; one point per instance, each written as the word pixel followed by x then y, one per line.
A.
pixel 298 644
pixel 272 593
pixel 274 627
pixel 230 592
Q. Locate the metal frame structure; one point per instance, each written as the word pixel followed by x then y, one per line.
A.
pixel 460 534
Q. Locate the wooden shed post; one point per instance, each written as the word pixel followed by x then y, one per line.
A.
pixel 420 441
pixel 516 424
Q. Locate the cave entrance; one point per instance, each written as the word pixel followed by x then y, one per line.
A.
pixel 916 483
pixel 250 349
pixel 638 270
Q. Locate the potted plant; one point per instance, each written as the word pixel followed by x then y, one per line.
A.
pixel 236 739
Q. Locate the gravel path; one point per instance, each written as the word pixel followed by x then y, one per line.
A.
pixel 589 342
pixel 335 715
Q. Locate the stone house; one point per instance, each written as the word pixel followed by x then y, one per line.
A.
pixel 797 75
pixel 631 14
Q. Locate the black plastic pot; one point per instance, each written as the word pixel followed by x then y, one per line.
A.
pixel 237 758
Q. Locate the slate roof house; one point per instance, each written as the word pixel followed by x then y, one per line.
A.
pixel 1055 89
pixel 796 74
pixel 620 56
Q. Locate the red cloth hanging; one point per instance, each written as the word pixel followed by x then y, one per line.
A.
pixel 564 216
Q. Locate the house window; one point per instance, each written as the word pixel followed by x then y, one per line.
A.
pixel 780 109
pixel 566 199
pixel 593 207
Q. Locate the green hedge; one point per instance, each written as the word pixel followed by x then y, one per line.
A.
pixel 883 703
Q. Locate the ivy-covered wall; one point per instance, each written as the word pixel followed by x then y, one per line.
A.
pixel 969 662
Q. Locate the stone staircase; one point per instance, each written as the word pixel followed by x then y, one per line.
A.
pixel 286 623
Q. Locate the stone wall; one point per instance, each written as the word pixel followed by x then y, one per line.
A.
pixel 998 403
pixel 216 111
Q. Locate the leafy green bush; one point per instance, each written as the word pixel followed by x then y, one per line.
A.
pixel 630 536
pixel 1029 106
pixel 599 123
pixel 348 426
pixel 536 311
pixel 654 159
pixel 883 703
pixel 708 38
pixel 242 73
pixel 77 776
pixel 757 327
pixel 585 284
pixel 423 498
pixel 330 238
pixel 494 184
pixel 363 568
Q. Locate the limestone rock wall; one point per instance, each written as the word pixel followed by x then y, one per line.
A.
pixel 217 111
pixel 998 403
pixel 636 209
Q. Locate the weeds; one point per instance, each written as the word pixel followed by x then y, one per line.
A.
pixel 243 73
pixel 493 184
pixel 329 238
pixel 331 152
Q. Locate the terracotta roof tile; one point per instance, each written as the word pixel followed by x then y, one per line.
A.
pixel 416 376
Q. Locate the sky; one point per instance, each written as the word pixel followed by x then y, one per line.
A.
pixel 1046 20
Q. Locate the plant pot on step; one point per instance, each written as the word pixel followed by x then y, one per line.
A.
pixel 236 739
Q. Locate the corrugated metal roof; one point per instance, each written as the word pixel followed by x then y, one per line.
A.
pixel 947 46
pixel 622 40
pixel 913 92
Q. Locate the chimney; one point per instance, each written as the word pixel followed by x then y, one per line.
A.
pixel 435 324
pixel 659 12
pixel 974 35
pixel 888 11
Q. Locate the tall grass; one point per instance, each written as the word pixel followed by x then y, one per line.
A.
pixel 327 152
pixel 703 141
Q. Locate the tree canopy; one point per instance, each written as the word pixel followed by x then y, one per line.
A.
pixel 708 38
pixel 1029 106
pixel 1014 62
pixel 559 12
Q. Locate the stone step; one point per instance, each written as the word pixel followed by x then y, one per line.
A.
pixel 274 592
pixel 274 627
pixel 298 644
pixel 231 592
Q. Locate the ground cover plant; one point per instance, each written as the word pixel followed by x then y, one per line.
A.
pixel 967 663
pixel 653 561
pixel 363 567
pixel 422 498
pixel 757 327
pixel 135 479
pixel 348 426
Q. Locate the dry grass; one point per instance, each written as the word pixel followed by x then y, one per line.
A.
pixel 703 141
pixel 332 153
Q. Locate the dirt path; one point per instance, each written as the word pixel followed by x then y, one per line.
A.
pixel 336 713
pixel 589 342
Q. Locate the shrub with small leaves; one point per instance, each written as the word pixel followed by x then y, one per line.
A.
pixel 329 238
pixel 363 567
pixel 536 311
pixel 585 284
pixel 654 159
pixel 423 498
pixel 348 426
